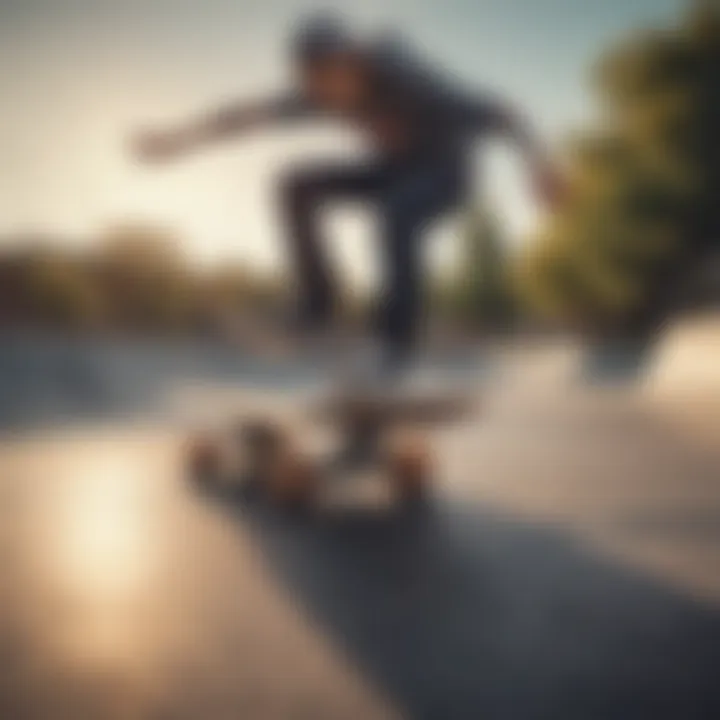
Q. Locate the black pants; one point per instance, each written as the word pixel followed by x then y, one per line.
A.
pixel 408 195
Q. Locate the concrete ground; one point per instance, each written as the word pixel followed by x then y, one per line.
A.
pixel 569 569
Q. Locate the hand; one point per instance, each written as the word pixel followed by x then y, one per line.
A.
pixel 158 146
pixel 549 185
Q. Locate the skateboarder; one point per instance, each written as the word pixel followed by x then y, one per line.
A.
pixel 421 127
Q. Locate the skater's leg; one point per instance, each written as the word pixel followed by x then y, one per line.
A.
pixel 409 206
pixel 304 192
pixel 399 311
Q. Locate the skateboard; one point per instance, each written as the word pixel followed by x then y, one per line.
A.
pixel 390 436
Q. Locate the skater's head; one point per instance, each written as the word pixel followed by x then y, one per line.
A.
pixel 329 63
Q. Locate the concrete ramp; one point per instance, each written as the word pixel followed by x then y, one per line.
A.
pixel 684 373
pixel 687 360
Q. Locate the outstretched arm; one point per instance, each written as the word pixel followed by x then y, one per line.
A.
pixel 498 118
pixel 165 144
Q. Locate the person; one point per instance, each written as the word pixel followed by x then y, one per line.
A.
pixel 420 126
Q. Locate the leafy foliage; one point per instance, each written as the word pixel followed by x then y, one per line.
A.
pixel 136 280
pixel 642 209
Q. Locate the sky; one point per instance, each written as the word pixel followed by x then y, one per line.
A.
pixel 77 77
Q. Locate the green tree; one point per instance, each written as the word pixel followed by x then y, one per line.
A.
pixel 642 208
pixel 61 292
pixel 146 278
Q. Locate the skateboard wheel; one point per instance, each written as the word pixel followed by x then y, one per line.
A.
pixel 261 442
pixel 292 480
pixel 409 464
pixel 204 461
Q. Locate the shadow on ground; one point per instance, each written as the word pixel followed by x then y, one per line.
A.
pixel 458 613
pixel 683 525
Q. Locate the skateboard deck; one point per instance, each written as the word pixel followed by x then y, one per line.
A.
pixel 412 408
